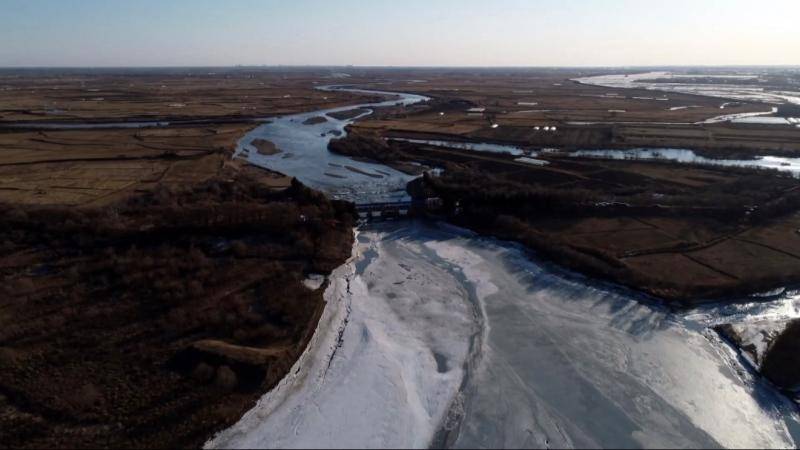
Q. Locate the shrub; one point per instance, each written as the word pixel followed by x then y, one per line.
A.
pixel 782 362
pixel 194 289
pixel 203 373
pixel 226 378
pixel 239 249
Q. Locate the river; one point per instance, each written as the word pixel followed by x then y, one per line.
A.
pixel 433 336
pixel 727 90
pixel 304 153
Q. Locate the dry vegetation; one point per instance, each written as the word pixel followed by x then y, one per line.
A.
pixel 375 150
pixel 676 231
pixel 533 96
pixel 151 288
pixel 782 363
pixel 673 231
pixel 168 94
pixel 100 167
pixel 586 116
pixel 161 319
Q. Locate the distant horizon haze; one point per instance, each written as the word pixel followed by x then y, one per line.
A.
pixel 383 33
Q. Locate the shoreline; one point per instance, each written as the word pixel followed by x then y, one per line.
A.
pixel 473 199
pixel 324 340
pixel 373 356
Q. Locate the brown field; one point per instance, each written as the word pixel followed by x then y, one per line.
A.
pixel 537 97
pixel 161 320
pixel 150 287
pixel 676 231
pixel 701 243
pixel 45 96
pixel 586 116
pixel 99 167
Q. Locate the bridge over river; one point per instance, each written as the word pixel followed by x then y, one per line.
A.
pixel 387 210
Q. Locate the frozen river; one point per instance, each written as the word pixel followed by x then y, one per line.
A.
pixel 728 90
pixel 433 336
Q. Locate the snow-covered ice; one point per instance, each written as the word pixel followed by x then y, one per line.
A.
pixel 385 364
pixel 742 92
pixel 445 338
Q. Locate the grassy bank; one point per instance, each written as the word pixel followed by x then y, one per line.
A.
pixel 160 318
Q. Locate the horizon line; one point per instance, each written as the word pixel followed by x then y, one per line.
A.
pixel 353 66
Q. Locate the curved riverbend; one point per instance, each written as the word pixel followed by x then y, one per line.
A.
pixel 304 152
pixel 435 336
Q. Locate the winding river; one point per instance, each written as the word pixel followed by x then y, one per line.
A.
pixel 303 145
pixel 433 336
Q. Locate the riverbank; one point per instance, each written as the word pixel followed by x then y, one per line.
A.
pixel 770 347
pixel 383 352
pixel 688 252
pixel 720 231
pixel 152 287
pixel 718 140
pixel 161 319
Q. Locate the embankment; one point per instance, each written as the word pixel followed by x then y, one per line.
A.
pixel 161 319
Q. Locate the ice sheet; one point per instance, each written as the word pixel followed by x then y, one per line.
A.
pixel 450 339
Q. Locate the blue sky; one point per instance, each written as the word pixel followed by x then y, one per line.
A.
pixel 406 32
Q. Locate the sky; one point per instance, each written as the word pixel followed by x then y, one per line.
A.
pixel 78 33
